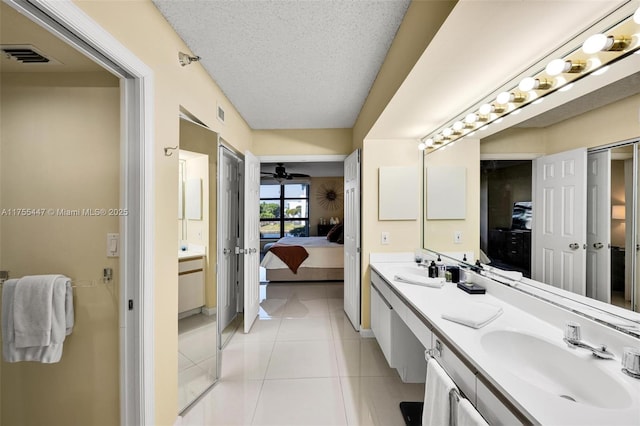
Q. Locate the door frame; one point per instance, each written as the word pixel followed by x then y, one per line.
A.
pixel 68 22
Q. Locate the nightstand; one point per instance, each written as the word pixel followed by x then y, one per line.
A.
pixel 323 230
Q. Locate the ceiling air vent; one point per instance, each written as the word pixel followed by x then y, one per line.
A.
pixel 25 54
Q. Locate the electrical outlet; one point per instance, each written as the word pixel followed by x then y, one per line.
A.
pixel 384 238
pixel 457 237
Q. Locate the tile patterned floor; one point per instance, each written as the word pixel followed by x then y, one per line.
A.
pixel 303 364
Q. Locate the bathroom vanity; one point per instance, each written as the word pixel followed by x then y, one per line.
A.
pixel 516 369
pixel 190 281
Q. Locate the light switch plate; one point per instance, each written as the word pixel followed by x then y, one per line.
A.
pixel 113 245
pixel 384 238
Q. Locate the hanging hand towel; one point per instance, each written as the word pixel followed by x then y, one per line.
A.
pixel 467 415
pixel 416 279
pixel 472 314
pixel 61 320
pixel 33 310
pixel 437 410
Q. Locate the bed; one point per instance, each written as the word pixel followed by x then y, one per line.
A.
pixel 324 260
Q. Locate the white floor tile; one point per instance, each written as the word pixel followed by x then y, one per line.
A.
pixel 231 403
pixel 298 308
pixel 191 383
pixel 300 402
pixel 184 362
pixel 361 358
pixel 262 329
pixel 246 359
pixel 198 345
pixel 335 290
pixel 375 400
pixel 302 359
pixel 336 305
pixel 272 308
pixel 308 291
pixel 342 328
pixel 311 328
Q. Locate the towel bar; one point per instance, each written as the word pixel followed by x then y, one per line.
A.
pixel 454 394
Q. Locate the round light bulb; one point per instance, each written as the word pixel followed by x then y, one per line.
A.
pixel 485 109
pixel 636 16
pixel 458 125
pixel 471 118
pixel 504 98
pixel 527 84
pixel 596 43
pixel 556 67
pixel 429 142
pixel 422 146
pixel 447 132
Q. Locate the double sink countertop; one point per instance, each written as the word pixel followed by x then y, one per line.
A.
pixel 524 357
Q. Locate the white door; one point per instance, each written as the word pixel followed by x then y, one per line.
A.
pixel 251 239
pixel 352 238
pixel 228 207
pixel 599 226
pixel 559 231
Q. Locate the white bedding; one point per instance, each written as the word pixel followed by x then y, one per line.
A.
pixel 322 253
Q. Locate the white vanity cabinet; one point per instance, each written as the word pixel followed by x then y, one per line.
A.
pixel 190 284
pixel 463 376
pixel 400 346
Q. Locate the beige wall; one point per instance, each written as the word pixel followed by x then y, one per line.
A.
pixel 438 234
pixel 404 235
pixel 515 140
pixel 141 28
pixel 317 210
pixel 420 24
pixel 60 143
pixel 196 138
pixel 302 142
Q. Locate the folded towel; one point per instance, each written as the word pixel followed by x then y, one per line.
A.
pixel 472 314
pixel 33 310
pixel 467 415
pixel 62 321
pixel 437 409
pixel 417 279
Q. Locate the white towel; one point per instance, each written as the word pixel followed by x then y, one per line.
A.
pixel 409 278
pixel 472 314
pixel 33 310
pixel 62 321
pixel 467 415
pixel 437 409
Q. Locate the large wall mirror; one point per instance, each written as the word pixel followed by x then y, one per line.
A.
pixel 580 236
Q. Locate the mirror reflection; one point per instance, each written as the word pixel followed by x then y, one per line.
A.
pixel 579 234
pixel 196 295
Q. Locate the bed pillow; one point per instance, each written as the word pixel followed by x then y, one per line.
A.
pixel 335 233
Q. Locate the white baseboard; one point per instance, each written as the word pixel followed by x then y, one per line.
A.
pixel 366 333
pixel 209 311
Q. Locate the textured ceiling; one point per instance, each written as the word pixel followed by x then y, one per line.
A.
pixel 290 64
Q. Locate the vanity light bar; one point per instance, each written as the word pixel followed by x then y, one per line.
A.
pixel 559 74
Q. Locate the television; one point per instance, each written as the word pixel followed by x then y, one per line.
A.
pixel 522 215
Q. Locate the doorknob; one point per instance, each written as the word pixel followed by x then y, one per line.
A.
pixel 574 246
pixel 226 251
pixel 598 245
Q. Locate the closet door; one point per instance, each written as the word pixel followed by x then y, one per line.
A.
pixel 599 226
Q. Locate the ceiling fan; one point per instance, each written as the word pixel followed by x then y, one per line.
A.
pixel 281 174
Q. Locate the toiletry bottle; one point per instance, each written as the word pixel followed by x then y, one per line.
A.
pixel 433 270
pixel 464 257
pixel 441 267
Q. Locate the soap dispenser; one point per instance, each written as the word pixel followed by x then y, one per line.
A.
pixel 441 267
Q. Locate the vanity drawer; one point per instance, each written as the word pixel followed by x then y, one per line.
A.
pixel 190 265
pixel 381 285
pixel 492 409
pixel 464 377
pixel 190 291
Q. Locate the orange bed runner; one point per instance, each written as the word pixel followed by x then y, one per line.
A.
pixel 292 256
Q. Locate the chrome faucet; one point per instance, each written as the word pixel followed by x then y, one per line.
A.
pixel 573 340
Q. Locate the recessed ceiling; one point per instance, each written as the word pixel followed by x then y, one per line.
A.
pixel 290 64
pixel 16 29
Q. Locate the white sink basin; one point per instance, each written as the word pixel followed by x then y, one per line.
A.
pixel 556 369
